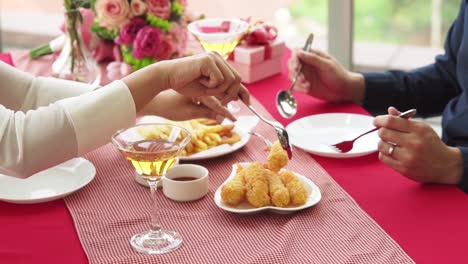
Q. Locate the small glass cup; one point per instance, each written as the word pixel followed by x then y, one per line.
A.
pixel 153 149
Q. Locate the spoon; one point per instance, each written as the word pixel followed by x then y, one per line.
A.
pixel 285 101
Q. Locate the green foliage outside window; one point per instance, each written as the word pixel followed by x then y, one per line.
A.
pixel 392 21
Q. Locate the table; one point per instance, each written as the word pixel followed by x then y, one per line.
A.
pixel 428 221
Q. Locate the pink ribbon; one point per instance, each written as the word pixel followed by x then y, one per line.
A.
pixel 259 34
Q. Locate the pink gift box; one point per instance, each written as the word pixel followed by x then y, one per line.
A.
pixel 251 73
pixel 258 62
pixel 257 53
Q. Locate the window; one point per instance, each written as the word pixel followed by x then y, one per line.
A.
pixel 28 23
pixel 401 34
pixel 385 33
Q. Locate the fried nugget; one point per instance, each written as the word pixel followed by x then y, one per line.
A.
pixel 256 185
pixel 278 192
pixel 297 191
pixel 233 192
pixel 277 158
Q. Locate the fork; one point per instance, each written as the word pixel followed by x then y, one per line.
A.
pixel 265 140
pixel 346 146
pixel 281 132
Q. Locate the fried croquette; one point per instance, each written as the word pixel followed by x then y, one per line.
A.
pixel 297 191
pixel 256 185
pixel 233 192
pixel 278 192
pixel 277 158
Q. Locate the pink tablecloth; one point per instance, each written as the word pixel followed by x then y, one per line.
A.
pixel 428 221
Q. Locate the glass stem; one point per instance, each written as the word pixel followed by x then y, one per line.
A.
pixel 155 219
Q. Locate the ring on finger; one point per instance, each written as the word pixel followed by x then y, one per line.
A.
pixel 392 149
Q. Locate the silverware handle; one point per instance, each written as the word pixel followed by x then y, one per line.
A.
pixel 307 46
pixel 407 114
pixel 259 115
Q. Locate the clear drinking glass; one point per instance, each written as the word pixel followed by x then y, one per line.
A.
pixel 153 149
pixel 220 35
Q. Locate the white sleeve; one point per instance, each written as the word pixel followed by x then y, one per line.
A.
pixel 21 91
pixel 47 136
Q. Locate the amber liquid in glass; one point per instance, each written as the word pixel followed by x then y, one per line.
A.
pixel 152 158
pixel 224 49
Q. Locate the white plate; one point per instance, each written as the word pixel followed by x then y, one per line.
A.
pixel 242 126
pixel 244 208
pixel 316 133
pixel 47 185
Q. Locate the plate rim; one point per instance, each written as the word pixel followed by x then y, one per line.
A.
pixel 312 200
pixel 87 179
pixel 331 154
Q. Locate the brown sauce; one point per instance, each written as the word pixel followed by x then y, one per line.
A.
pixel 188 178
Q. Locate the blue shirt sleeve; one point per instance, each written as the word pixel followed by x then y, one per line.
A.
pixel 427 89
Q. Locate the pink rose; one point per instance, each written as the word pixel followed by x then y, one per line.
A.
pixel 166 48
pixel 183 3
pixel 117 53
pixel 138 7
pixel 118 70
pixel 159 8
pixel 129 31
pixel 146 42
pixel 104 51
pixel 179 35
pixel 112 13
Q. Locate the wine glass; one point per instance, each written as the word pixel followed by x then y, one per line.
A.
pixel 153 149
pixel 220 35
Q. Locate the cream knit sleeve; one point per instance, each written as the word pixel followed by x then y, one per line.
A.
pixel 44 121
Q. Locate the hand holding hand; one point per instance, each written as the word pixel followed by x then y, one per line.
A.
pixel 165 102
pixel 323 77
pixel 206 74
pixel 418 152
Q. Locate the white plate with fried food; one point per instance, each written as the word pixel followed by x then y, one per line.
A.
pixel 300 193
pixel 209 139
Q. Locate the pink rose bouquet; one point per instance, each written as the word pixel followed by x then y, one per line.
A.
pixel 141 31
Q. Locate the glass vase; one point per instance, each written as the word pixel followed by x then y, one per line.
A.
pixel 75 61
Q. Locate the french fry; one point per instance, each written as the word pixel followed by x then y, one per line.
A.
pixel 215 137
pixel 206 133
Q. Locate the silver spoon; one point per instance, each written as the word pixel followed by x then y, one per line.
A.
pixel 285 101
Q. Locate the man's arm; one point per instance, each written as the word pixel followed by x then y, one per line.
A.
pixel 428 88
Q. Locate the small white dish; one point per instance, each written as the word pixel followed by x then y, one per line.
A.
pixel 245 208
pixel 50 184
pixel 315 134
pixel 186 182
pixel 242 126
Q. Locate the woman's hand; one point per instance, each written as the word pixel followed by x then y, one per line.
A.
pixel 419 153
pixel 174 106
pixel 206 74
pixel 200 75
pixel 323 77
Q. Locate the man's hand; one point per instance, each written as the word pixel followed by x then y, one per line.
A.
pixel 419 153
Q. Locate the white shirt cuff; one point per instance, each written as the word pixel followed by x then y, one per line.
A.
pixel 97 115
